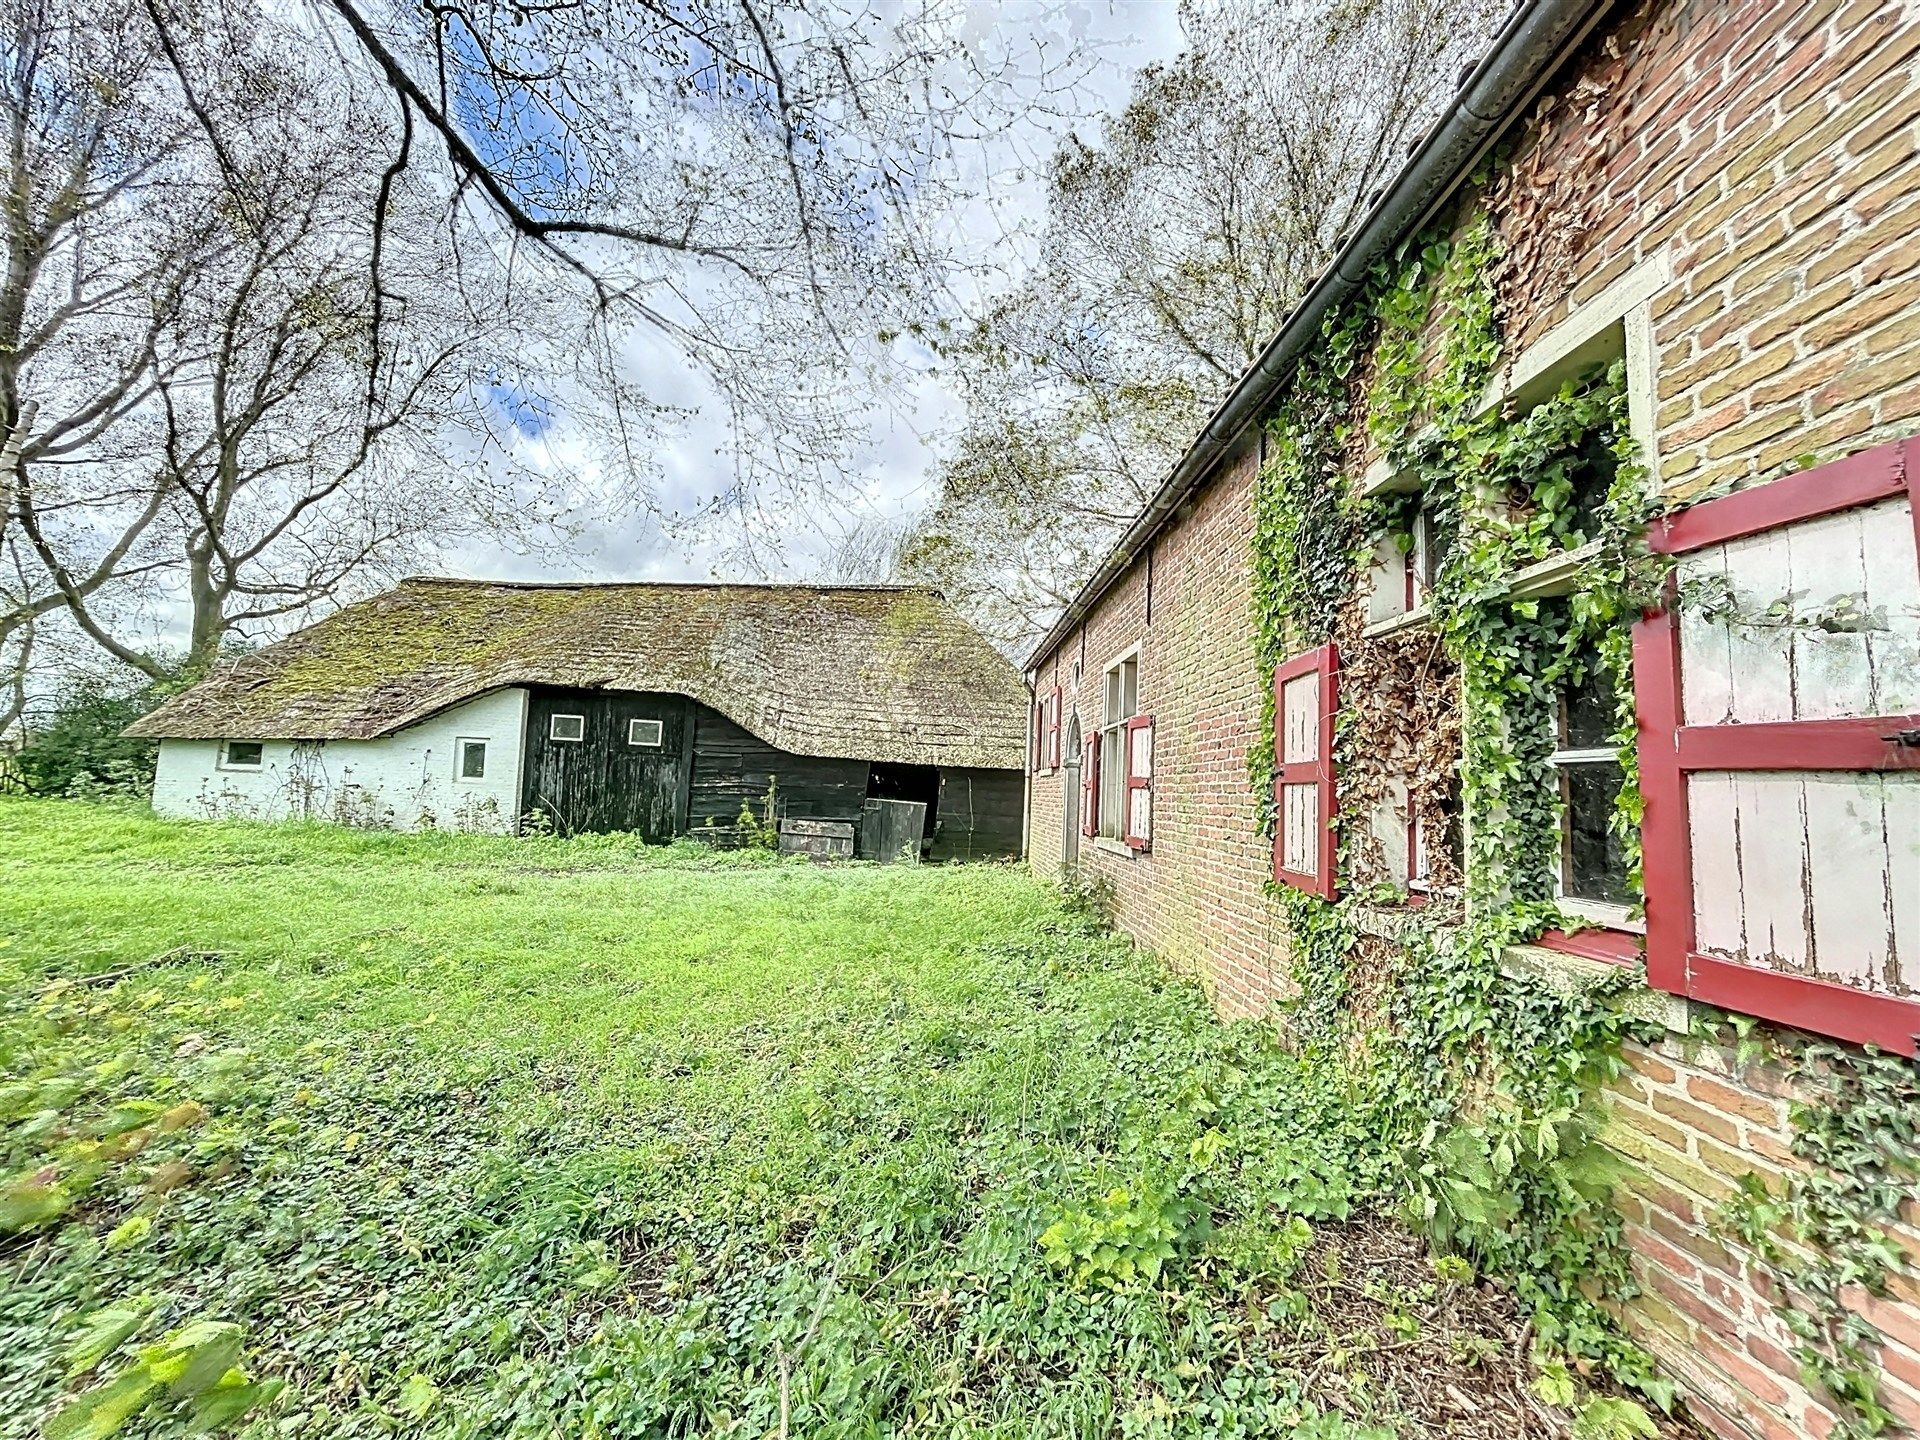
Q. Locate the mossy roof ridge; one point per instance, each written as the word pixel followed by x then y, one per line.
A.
pixel 887 673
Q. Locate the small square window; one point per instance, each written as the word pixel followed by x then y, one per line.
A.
pixel 242 755
pixel 645 733
pixel 567 727
pixel 473 759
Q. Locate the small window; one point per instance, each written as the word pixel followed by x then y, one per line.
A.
pixel 242 754
pixel 1593 862
pixel 1421 851
pixel 567 727
pixel 1430 548
pixel 473 759
pixel 645 733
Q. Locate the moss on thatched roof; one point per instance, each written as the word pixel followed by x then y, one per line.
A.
pixel 866 672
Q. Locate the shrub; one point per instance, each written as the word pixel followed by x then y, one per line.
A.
pixel 78 748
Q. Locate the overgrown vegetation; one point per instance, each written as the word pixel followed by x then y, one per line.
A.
pixel 1475 1088
pixel 473 1136
pixel 77 747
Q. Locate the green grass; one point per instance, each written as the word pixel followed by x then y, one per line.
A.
pixel 572 1138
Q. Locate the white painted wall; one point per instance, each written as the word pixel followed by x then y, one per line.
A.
pixel 404 781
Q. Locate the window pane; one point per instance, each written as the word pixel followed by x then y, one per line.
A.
pixel 1596 864
pixel 245 752
pixel 473 760
pixel 644 733
pixel 1129 690
pixel 568 727
pixel 1589 712
pixel 1113 782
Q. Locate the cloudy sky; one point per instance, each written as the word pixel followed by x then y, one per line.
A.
pixel 885 476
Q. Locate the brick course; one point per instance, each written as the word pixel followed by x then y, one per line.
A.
pixel 1772 149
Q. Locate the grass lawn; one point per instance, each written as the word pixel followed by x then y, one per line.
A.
pixel 571 1138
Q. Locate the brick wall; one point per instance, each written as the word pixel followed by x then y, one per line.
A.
pixel 1771 150
pixel 1198 897
pixel 1693 1121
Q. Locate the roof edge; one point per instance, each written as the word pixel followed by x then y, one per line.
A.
pixel 884 586
pixel 1534 40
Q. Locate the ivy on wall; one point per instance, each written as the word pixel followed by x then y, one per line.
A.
pixel 1474 1091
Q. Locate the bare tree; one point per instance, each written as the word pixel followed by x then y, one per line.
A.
pixel 102 235
pixel 301 457
pixel 1170 253
pixel 763 182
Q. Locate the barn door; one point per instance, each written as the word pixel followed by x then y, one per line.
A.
pixel 600 761
pixel 1779 701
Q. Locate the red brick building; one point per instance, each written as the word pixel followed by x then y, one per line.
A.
pixel 1721 200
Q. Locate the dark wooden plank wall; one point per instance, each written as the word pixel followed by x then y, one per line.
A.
pixel 979 816
pixel 732 765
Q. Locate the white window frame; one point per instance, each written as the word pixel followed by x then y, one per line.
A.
pixel 225 763
pixel 460 745
pixel 553 729
pixel 659 739
pixel 1114 740
pixel 1597 912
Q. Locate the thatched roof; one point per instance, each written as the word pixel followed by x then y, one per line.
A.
pixel 866 672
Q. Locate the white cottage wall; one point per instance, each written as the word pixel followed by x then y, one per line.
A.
pixel 405 781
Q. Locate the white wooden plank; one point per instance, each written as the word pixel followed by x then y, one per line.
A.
pixel 1847 871
pixel 1760 654
pixel 1900 799
pixel 1299 827
pixel 1300 705
pixel 1718 907
pixel 1706 668
pixel 1893 593
pixel 1386 582
pixel 1831 676
pixel 1771 814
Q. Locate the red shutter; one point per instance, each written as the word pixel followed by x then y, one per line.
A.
pixel 1090 787
pixel 1139 816
pixel 1749 910
pixel 1053 730
pixel 1305 700
pixel 1039 732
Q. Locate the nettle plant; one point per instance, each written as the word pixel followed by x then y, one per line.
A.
pixel 1473 1089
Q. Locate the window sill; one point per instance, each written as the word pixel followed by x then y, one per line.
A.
pixel 1114 847
pixel 1415 619
pixel 1556 575
pixel 1567 972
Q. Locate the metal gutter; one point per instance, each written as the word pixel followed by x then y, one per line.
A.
pixel 1533 41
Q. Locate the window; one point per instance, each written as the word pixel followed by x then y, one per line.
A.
pixel 473 759
pixel 567 727
pixel 1780 754
pixel 1305 697
pixel 1046 730
pixel 1431 546
pixel 1421 849
pixel 1121 702
pixel 242 754
pixel 645 733
pixel 1593 861
pixel 1405 567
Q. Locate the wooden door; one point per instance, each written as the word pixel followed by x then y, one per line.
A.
pixel 603 761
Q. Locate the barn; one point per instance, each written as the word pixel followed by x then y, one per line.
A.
pixel 658 709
